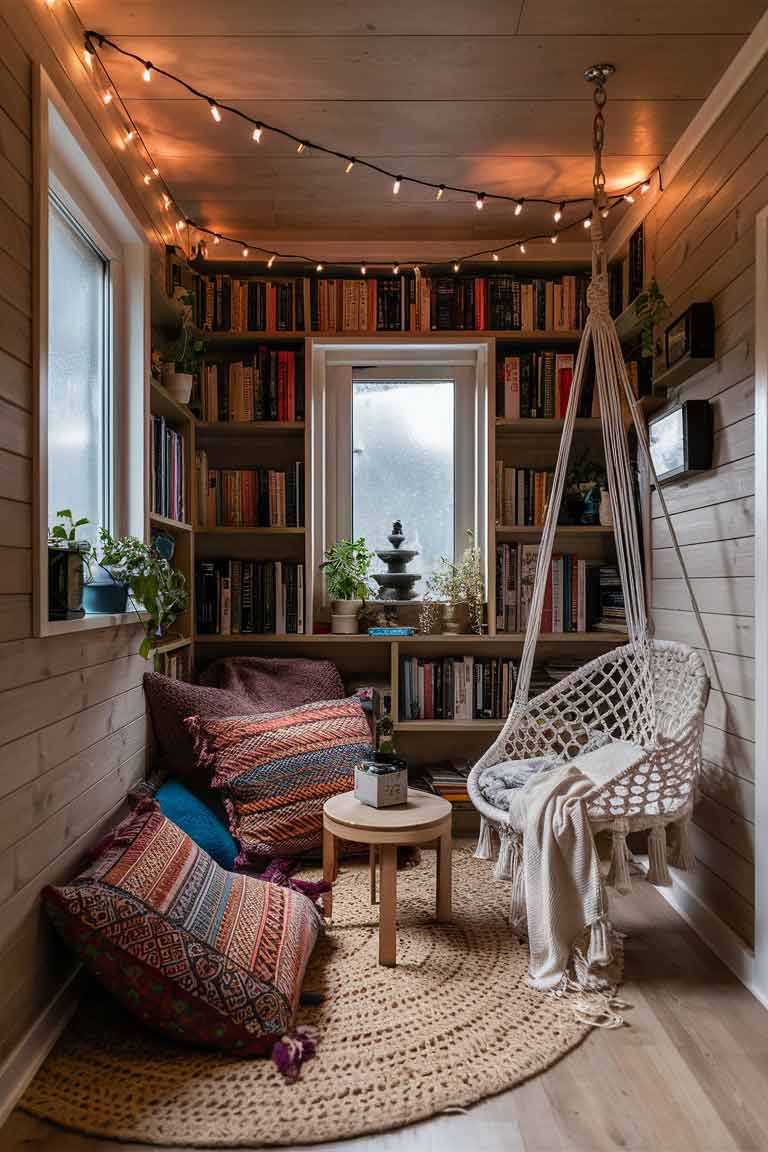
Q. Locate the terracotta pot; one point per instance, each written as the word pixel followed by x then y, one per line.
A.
pixel 179 385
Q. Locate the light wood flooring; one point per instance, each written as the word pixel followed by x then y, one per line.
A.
pixel 689 1073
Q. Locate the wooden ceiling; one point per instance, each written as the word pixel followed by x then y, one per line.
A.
pixel 483 93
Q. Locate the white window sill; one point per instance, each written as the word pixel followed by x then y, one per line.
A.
pixel 93 621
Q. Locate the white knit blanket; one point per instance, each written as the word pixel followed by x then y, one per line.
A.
pixel 563 887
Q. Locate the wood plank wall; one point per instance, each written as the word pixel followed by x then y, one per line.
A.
pixel 72 720
pixel 702 233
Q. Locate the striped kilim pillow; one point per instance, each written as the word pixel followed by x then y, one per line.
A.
pixel 277 770
pixel 203 955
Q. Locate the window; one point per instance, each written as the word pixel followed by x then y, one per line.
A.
pixel 399 433
pixel 79 372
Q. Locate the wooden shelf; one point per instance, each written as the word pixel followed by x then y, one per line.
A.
pixel 535 427
pixel 438 640
pixel 250 428
pixel 220 339
pixel 167 522
pixel 515 530
pixel 223 530
pixel 172 645
pixel 449 725
pixel 677 375
pixel 161 403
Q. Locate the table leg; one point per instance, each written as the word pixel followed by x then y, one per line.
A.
pixel 444 854
pixel 329 869
pixel 372 871
pixel 387 904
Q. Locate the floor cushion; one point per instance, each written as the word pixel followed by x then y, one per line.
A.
pixel 171 701
pixel 277 770
pixel 197 953
pixel 272 684
pixel 195 818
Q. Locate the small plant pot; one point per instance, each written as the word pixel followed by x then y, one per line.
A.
pixel 344 615
pixel 65 584
pixel 178 384
pixel 106 599
pixel 455 618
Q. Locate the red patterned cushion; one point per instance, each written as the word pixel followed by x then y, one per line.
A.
pixel 276 771
pixel 200 954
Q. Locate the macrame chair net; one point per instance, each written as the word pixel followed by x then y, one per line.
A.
pixel 652 693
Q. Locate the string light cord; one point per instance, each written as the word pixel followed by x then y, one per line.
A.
pixel 94 39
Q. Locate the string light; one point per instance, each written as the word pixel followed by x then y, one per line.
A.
pixel 155 171
pixel 257 133
pixel 605 213
pixel 167 204
pixel 147 73
pixel 557 215
pixel 588 222
pixel 147 178
pixel 645 186
pixel 129 136
pixel 440 192
pixel 396 185
pixel 215 112
pixel 395 269
pixel 180 225
pixel 553 239
pixel 245 252
pixel 456 266
pixel 518 207
pixel 480 201
pixel 301 146
pixel 271 260
pixel 363 269
pixel 350 165
pixel 107 96
pixel 319 268
pixel 217 239
pixel 495 256
pixel 521 246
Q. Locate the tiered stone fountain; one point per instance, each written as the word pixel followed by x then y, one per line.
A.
pixel 396 584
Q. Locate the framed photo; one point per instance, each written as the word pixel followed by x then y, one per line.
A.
pixel 678 339
pixel 692 335
pixel 680 440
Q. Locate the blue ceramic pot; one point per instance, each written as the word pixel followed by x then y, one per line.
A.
pixel 108 599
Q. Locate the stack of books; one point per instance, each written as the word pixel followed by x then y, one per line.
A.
pixel 449 780
pixel 265 386
pixel 175 665
pixel 612 617
pixel 236 596
pixel 249 497
pixel 167 470
pixel 229 304
pixel 456 687
pixel 522 495
pixel 572 598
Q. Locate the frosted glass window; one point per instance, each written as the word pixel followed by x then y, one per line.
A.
pixel 79 448
pixel 403 467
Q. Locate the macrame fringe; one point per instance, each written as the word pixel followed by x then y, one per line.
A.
pixel 503 869
pixel 680 850
pixel 658 872
pixel 618 874
pixel 484 850
pixel 599 953
pixel 589 1006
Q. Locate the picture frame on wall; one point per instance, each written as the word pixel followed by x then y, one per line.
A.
pixel 691 335
pixel 680 440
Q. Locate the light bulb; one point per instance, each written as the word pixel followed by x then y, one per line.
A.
pixel 245 251
pixel 395 269
pixel 518 207
pixel 319 268
pixel 88 56
pixel 396 185
pixel 129 136
pixel 147 73
pixel 363 268
pixel 217 239
pixel 557 215
pixel 350 165
pixel 147 179
pixel 604 213
pixel 416 270
pixel 166 201
pixel 629 198
pixel 644 187
pixel 155 171
pixel 50 3
pixel 257 133
pixel 301 146
pixel 480 201
pixel 440 192
pixel 553 239
pixel 495 256
pixel 588 222
pixel 271 260
pixel 522 248
pixel 107 97
pixel 456 266
pixel 215 111
pixel 180 225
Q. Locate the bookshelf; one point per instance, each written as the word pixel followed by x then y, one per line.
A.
pixel 277 444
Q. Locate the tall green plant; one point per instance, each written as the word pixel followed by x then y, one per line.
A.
pixel 346 565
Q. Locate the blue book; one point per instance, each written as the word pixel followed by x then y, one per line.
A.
pixel 395 631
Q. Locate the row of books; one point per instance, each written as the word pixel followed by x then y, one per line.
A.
pixel 249 596
pixel 580 596
pixel 538 384
pixel 522 495
pixel 365 305
pixel 508 303
pixel 167 470
pixel 456 687
pixel 249 497
pixel 231 304
pixel 266 386
pixel 175 665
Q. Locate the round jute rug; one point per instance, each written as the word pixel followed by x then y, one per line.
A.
pixel 452 1023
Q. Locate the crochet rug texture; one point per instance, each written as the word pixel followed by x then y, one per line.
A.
pixel 454 1022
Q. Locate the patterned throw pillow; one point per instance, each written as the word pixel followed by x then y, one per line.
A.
pixel 200 954
pixel 276 771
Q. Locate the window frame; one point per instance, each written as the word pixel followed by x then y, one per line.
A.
pixel 333 366
pixel 66 164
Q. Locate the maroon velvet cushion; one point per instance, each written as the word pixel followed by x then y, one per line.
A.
pixel 274 685
pixel 171 702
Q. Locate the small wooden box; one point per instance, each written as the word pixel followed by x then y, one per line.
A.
pixel 380 789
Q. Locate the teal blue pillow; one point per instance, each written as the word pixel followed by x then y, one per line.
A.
pixel 180 806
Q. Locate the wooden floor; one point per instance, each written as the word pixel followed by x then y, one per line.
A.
pixel 689 1073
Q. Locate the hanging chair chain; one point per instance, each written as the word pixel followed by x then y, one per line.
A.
pixel 598 140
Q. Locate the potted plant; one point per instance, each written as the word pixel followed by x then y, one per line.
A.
pixel 67 559
pixel 181 359
pixel 346 565
pixel 584 481
pixel 650 309
pixel 455 591
pixel 155 587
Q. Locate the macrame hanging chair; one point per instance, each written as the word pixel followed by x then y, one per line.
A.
pixel 649 692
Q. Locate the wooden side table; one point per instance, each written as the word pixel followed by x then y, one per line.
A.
pixel 423 820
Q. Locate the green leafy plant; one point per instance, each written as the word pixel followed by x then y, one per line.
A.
pixel 456 583
pixel 186 348
pixel 346 565
pixel 153 583
pixel 64 534
pixel 650 308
